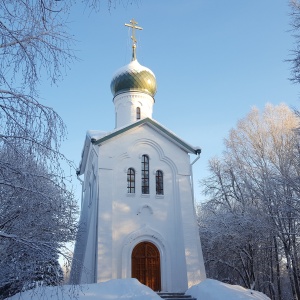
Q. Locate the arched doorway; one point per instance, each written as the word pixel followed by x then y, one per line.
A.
pixel 145 265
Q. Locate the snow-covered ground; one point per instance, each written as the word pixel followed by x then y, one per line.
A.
pixel 210 289
pixel 131 289
pixel 111 290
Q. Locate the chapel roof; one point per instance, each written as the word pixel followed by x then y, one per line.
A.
pixel 98 138
pixel 133 77
pixel 154 124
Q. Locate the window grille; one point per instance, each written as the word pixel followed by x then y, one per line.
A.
pixel 130 181
pixel 145 174
pixel 159 183
pixel 138 113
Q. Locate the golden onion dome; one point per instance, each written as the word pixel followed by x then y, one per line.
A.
pixel 133 77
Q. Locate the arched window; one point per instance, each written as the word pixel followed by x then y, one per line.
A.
pixel 159 182
pixel 138 113
pixel 130 181
pixel 145 174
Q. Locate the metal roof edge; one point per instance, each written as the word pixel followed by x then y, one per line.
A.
pixel 189 148
pixel 84 154
pixel 177 139
pixel 117 132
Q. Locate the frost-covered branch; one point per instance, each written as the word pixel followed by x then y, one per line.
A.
pixel 251 218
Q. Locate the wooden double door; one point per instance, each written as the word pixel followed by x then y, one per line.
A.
pixel 145 265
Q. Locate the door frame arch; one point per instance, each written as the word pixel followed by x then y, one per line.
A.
pixel 146 234
pixel 146 266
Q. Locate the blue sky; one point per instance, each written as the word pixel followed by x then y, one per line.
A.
pixel 213 61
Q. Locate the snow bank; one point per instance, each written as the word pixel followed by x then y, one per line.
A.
pixel 210 289
pixel 110 290
pixel 124 289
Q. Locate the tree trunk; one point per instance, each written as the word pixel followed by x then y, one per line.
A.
pixel 290 271
pixel 295 263
pixel 277 270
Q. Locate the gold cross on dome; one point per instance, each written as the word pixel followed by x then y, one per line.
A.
pixel 133 26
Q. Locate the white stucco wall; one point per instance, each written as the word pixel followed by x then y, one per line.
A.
pixel 85 259
pixel 126 104
pixel 127 219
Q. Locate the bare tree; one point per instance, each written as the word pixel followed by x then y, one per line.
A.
pixel 37 212
pixel 33 194
pixel 33 40
pixel 295 23
pixel 37 218
pixel 254 191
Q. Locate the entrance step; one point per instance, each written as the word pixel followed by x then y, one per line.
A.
pixel 175 296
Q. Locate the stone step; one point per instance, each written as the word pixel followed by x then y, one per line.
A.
pixel 175 296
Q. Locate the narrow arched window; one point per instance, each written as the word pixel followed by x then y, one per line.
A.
pixel 145 174
pixel 138 113
pixel 130 181
pixel 159 182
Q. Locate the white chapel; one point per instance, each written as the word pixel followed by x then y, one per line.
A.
pixel 137 214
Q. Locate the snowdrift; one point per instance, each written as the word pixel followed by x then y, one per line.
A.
pixel 125 289
pixel 211 289
pixel 111 290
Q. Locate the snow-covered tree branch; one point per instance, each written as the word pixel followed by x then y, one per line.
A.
pixel 37 211
pixel 37 217
pixel 250 224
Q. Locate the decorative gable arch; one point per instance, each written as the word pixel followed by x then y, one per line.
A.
pixel 158 150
